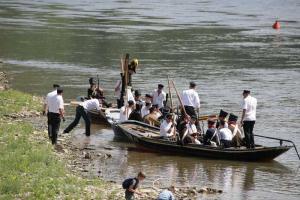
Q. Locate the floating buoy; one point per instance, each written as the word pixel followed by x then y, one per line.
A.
pixel 276 25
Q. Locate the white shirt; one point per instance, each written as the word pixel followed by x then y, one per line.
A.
pixel 55 103
pixel 190 98
pixel 225 134
pixel 124 116
pixel 158 98
pixel 191 128
pixel 164 127
pixel 50 94
pixel 145 111
pixel 249 104
pixel 91 104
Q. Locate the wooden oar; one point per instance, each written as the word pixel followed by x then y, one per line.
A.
pixel 170 93
pixel 180 100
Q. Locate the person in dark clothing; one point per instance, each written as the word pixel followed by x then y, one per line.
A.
pixel 164 110
pixel 136 113
pixel 131 188
pixel 211 134
pixel 222 117
pixel 92 89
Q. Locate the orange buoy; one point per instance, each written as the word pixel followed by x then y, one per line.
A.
pixel 276 25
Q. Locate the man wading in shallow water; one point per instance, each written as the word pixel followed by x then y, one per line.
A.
pixel 248 118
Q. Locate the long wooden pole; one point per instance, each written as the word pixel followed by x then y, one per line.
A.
pixel 170 93
pixel 180 100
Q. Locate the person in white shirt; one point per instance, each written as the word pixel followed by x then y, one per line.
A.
pixel 50 94
pixel 82 111
pixel 55 106
pixel 225 135
pixel 167 128
pixel 191 102
pixel 159 96
pixel 248 117
pixel 192 130
pixel 145 109
pixel 126 110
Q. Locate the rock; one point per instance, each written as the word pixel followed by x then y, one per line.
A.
pixel 87 155
pixel 108 148
pixel 202 190
pixel 107 155
pixel 99 172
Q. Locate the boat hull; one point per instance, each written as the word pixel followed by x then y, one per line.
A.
pixel 239 154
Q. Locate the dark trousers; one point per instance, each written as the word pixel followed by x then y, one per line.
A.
pixel 248 130
pixel 190 110
pixel 80 112
pixel 53 126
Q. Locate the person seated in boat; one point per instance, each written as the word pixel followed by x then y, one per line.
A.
pixel 137 97
pixel 126 110
pixel 151 118
pixel 136 113
pixel 225 135
pixel 164 110
pixel 192 130
pixel 222 117
pixel 92 89
pixel 237 134
pixel 159 96
pixel 157 111
pixel 148 98
pixel 211 136
pixel 145 109
pixel 167 127
pixel 184 136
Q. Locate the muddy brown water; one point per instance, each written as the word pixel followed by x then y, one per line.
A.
pixel 224 46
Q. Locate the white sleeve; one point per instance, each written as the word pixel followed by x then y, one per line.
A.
pixel 244 104
pixel 97 104
pixel 197 100
pixel 61 102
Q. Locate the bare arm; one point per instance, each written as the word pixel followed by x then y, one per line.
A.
pixel 243 115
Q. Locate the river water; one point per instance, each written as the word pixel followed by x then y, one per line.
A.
pixel 224 46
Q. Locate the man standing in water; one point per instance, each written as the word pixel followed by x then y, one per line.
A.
pixel 248 118
pixel 55 113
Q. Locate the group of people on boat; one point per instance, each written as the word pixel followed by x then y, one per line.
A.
pixel 153 109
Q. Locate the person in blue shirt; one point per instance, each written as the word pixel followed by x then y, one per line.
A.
pixel 167 194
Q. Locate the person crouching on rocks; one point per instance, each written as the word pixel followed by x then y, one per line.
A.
pixel 131 184
pixel 167 194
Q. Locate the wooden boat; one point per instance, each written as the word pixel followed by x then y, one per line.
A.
pixel 105 116
pixel 146 136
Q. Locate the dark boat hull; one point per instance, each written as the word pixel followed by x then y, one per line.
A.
pixel 107 117
pixel 257 154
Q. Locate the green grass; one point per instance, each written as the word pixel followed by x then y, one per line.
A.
pixel 12 101
pixel 29 168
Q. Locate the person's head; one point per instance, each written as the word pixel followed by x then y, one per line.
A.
pixel 155 106
pixel 148 98
pixel 210 123
pixel 59 91
pixel 172 188
pixel 160 87
pixel 130 103
pixel 151 110
pixel 232 119
pixel 246 93
pixel 141 176
pixel 169 117
pixel 138 106
pixel 148 104
pixel 133 65
pixel 193 119
pixel 55 86
pixel 137 94
pixel 192 85
pixel 222 114
pixel 222 124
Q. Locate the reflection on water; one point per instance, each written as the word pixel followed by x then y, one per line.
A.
pixel 238 180
pixel 224 46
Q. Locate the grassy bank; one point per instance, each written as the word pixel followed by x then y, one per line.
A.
pixel 29 168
